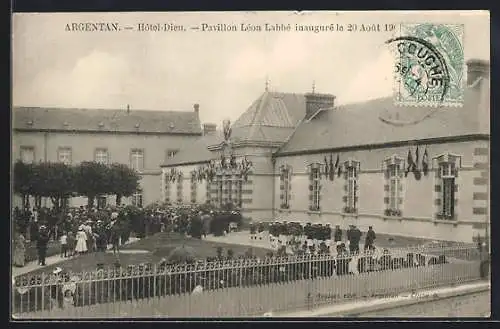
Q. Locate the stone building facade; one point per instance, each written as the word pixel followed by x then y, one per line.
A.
pixel 414 171
pixel 139 138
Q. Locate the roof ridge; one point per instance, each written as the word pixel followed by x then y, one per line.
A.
pixel 261 106
pixel 97 109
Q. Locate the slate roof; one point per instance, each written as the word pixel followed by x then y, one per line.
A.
pixel 270 118
pixel 381 121
pixel 195 151
pixel 93 120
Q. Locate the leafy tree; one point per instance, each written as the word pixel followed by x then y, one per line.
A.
pixel 23 175
pixel 58 182
pixel 92 179
pixel 123 181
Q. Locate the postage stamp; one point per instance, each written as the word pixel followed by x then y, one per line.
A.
pixel 429 65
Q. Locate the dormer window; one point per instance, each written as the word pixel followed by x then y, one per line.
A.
pixel 136 125
pixel 101 124
pixel 66 124
pixel 29 123
pixel 172 125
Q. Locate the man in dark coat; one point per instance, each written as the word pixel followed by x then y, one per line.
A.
pixel 338 234
pixel 41 244
pixel 354 236
pixel 370 238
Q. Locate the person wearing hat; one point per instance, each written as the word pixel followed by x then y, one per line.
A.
pixel 370 238
pixel 337 235
pixel 41 244
pixel 354 236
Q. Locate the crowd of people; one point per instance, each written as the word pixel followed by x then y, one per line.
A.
pixel 311 238
pixel 84 230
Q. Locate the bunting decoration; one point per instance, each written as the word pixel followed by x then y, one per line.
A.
pixel 425 162
pixel 210 170
pixel 331 173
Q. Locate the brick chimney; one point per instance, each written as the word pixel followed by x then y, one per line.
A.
pixel 196 108
pixel 315 101
pixel 209 129
pixel 477 68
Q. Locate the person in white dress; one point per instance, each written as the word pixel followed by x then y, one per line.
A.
pixel 81 241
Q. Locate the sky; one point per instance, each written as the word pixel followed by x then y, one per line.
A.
pixel 224 72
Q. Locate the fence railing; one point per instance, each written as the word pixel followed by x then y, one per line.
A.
pixel 241 287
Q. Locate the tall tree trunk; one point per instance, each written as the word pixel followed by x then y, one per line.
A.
pixel 118 199
pixel 90 199
pixel 38 201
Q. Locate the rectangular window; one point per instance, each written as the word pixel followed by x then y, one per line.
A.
pixel 229 186
pixel 447 190
pixel 316 177
pixel 220 189
pixel 352 182
pixel 180 183
pixel 137 159
pixel 64 155
pixel 171 153
pixel 137 199
pixel 101 156
pixel 239 199
pixel 394 186
pixel 286 186
pixel 101 202
pixel 27 154
pixel 194 187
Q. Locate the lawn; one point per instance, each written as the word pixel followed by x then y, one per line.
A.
pixel 53 248
pixel 159 246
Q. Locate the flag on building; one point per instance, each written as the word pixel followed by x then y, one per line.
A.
pixel 326 168
pixel 337 166
pixel 415 164
pixel 425 162
pixel 331 173
pixel 410 163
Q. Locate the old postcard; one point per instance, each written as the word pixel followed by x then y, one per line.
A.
pixel 250 164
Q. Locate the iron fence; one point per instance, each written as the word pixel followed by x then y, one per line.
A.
pixel 240 287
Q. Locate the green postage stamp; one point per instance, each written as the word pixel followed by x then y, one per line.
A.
pixel 429 65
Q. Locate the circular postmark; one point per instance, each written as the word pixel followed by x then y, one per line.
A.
pixel 428 65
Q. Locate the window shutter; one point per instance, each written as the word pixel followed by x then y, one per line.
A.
pixel 386 200
pixel 310 187
pixel 386 187
pixel 344 198
pixel 456 188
